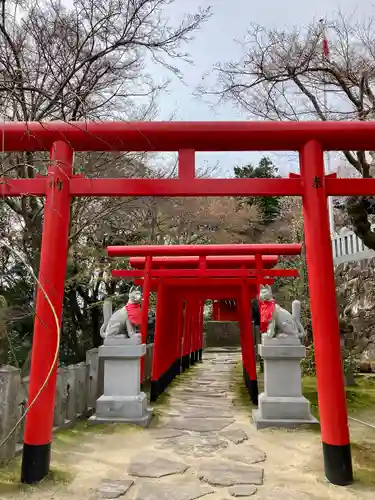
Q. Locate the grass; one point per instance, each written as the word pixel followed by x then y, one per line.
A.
pixel 364 464
pixel 10 478
pixel 237 383
pixel 360 398
pixel 82 430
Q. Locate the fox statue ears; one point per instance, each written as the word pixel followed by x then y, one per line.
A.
pixel 135 289
pixel 265 287
pixel 265 291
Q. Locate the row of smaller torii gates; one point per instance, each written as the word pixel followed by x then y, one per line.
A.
pixel 184 277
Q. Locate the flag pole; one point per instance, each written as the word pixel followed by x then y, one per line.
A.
pixel 325 54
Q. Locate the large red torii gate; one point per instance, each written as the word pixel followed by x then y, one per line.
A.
pixel 186 282
pixel 309 139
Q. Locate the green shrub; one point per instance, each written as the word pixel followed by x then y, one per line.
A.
pixel 308 364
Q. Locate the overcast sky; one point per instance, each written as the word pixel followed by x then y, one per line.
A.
pixel 215 42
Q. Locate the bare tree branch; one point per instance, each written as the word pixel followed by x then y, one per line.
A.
pixel 283 75
pixel 89 60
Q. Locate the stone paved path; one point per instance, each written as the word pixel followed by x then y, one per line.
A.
pixel 200 449
pixel 203 445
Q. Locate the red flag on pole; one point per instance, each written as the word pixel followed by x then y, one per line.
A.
pixel 325 47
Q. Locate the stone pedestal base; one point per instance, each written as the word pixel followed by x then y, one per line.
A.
pixel 143 421
pixel 122 401
pixel 282 403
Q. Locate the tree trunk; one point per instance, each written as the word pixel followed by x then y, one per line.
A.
pixel 358 215
pixel 70 335
pixel 95 325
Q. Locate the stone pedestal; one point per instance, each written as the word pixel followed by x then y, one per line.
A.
pixel 122 400
pixel 282 404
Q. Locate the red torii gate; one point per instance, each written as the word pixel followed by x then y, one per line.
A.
pixel 220 308
pixel 184 282
pixel 224 310
pixel 309 139
pixel 211 262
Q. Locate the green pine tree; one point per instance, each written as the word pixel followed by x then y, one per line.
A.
pixel 269 206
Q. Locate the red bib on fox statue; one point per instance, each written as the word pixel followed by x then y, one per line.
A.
pixel 134 313
pixel 267 308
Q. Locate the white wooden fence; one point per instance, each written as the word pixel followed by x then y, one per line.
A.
pixel 347 247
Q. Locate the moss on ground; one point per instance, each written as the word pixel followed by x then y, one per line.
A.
pixel 164 399
pixel 360 398
pixel 67 439
pixel 237 384
pixel 10 478
pixel 63 440
pixel 363 464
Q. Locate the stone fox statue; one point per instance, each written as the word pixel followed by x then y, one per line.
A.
pixel 124 320
pixel 279 321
